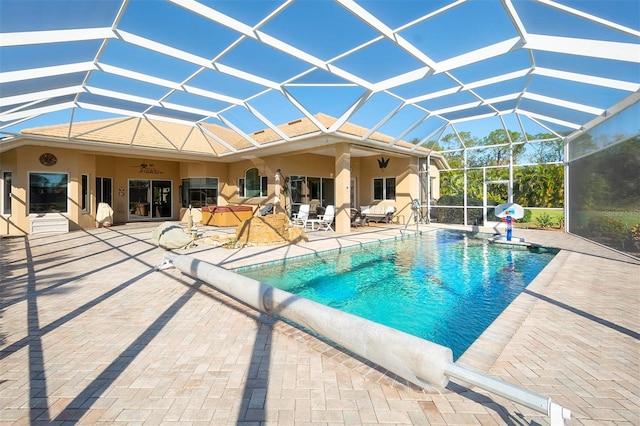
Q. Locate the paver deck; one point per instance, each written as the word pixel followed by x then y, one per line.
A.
pixel 91 332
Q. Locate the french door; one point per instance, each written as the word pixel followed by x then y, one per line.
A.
pixel 150 199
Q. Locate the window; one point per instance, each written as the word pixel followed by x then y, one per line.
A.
pixel 85 200
pixel 48 192
pixel 307 190
pixel 6 193
pixel 199 192
pixel 252 184
pixel 384 189
pixel 103 190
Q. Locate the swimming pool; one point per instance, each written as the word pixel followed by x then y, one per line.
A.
pixel 442 286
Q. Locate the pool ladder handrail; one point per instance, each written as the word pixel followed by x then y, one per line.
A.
pixel 415 213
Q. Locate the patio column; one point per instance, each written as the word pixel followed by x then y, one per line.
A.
pixel 343 190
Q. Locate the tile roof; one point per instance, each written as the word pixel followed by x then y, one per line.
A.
pixel 210 139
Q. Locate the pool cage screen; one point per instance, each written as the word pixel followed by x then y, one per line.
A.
pixel 586 183
pixel 603 167
pixel 505 166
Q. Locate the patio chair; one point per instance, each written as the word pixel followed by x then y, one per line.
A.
pixel 324 221
pixel 356 218
pixel 300 219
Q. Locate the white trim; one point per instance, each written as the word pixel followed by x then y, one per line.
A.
pixel 11 76
pixel 3 195
pixel 55 36
pixel 585 47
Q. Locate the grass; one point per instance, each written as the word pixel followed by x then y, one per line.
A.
pixel 556 217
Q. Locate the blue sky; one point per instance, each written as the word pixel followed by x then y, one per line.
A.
pixel 330 33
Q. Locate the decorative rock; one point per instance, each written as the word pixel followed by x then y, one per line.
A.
pixel 268 230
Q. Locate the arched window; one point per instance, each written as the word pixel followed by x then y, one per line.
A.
pixel 252 184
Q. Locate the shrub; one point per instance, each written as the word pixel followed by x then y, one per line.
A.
pixel 544 221
pixel 635 235
pixel 607 227
pixel 456 216
pixel 527 216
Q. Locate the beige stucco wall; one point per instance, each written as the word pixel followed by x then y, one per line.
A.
pixel 22 160
pixel 208 170
pixel 9 163
pixel 290 165
pixel 404 169
pixel 435 182
pixel 26 159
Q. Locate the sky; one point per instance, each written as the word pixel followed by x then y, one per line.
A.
pixel 273 61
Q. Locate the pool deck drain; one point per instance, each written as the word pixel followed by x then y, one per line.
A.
pixel 91 333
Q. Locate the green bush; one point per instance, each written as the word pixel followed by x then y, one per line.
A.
pixel 544 221
pixel 456 215
pixel 458 200
pixel 607 227
pixel 635 235
pixel 527 216
pixel 635 232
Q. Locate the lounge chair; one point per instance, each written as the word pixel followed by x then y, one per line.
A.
pixel 377 213
pixel 300 219
pixel 326 220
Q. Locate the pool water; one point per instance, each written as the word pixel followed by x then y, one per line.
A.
pixel 442 286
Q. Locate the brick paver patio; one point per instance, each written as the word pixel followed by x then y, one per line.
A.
pixel 91 332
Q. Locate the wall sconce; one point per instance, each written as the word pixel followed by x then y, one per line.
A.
pixel 383 163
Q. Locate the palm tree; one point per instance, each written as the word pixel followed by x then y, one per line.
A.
pixel 541 185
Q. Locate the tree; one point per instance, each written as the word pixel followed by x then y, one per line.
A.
pixel 451 142
pixel 452 183
pixel 546 151
pixel 541 185
pixel 497 149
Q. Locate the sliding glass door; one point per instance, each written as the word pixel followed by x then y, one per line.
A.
pixel 315 191
pixel 149 199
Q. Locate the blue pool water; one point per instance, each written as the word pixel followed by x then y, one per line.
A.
pixel 443 286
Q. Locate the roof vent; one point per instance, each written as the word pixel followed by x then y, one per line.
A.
pixel 295 121
pixel 258 132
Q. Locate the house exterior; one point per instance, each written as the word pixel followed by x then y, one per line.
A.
pixel 53 178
